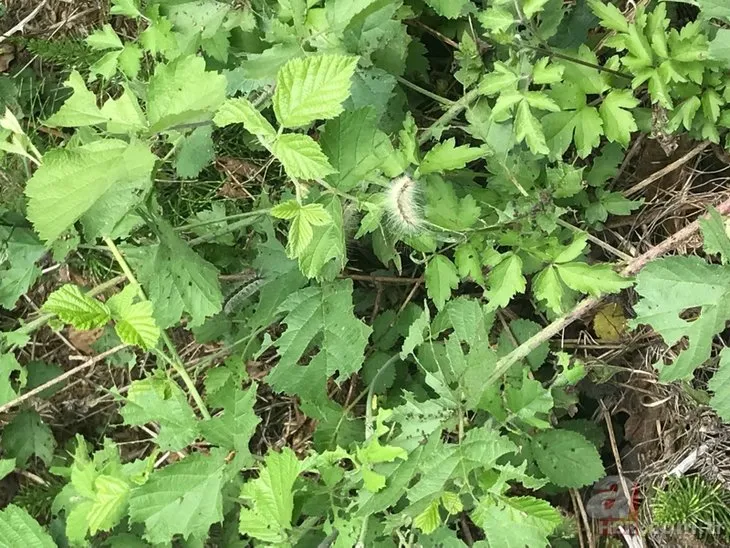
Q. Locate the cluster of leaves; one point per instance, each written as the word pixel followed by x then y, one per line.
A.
pixel 321 87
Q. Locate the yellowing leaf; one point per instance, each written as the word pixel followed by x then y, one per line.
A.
pixel 609 324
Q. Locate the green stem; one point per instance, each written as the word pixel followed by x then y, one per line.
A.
pixel 176 361
pixel 423 91
pixel 225 230
pixel 453 111
pixel 234 217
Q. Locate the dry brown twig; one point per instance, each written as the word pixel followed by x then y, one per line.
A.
pixel 24 21
pixel 667 169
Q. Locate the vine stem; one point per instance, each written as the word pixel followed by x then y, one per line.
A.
pixel 176 361
pixel 452 112
pixel 591 303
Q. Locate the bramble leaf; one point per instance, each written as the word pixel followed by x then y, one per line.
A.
pixel 233 429
pixel 446 156
pixel 567 458
pixel 75 308
pixel 18 528
pixel 516 522
pixel 312 88
pixel 133 321
pixel 196 151
pixel 441 278
pixel 505 281
pixel 78 110
pixel 240 110
pixel 28 435
pixel 301 156
pixel 595 280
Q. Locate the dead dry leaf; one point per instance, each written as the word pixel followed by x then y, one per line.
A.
pixel 609 323
pixel 83 340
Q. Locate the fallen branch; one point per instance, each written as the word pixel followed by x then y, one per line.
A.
pixel 591 303
pixel 667 169
pixel 54 381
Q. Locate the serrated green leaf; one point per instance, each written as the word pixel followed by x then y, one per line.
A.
pixel 18 528
pixel 133 321
pixel 356 148
pixel 533 7
pixel 544 74
pixel 547 286
pixel 104 38
pixel 271 496
pixel 301 156
pixel 312 88
pixel 450 9
pixel 325 255
pixel 240 110
pixel 9 366
pixel 163 401
pixel 97 183
pixel 324 312
pixel 531 404
pixel 718 385
pixel 567 458
pixel 130 60
pixel 497 19
pixel 28 435
pixel 75 308
pixel 178 281
pixel 7 466
pixel 446 156
pixel 445 209
pixel 516 522
pixel 124 115
pixel 441 278
pixel 505 281
pixel 714 231
pixel 565 180
pixel 596 280
pixel 234 428
pixel 519 331
pixel 529 129
pixel 468 263
pixel 78 110
pixel 415 335
pixel 429 520
pixel 672 285
pixel 184 498
pixel 195 153
pixel 618 122
pixel 128 8
pixel 610 16
pixel 183 92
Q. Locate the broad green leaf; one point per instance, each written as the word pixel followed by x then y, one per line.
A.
pixel 610 16
pixel 441 278
pixel 532 7
pixel 195 153
pixel 516 522
pixel 304 218
pixel 519 331
pixel 271 498
pixel 670 286
pixel 718 385
pixel 547 286
pixel 445 209
pixel 19 270
pixel 133 321
pixel 588 130
pixel 183 92
pixel 544 74
pixel 528 129
pixel 325 255
pixel 7 466
pixel 415 335
pixel 618 122
pixel 18 528
pixel 128 8
pixel 179 281
pixel 124 115
pixel 714 8
pixel 301 156
pixel 715 233
pixel 356 148
pixel 161 400
pixel 240 110
pixel 567 458
pixel 497 19
pixel 468 263
pixel 104 38
pixel 27 435
pixel 531 404
pixel 184 498
pixel 323 313
pixel 75 308
pixel 97 183
pixel 450 9
pixel 429 520
pixel 9 367
pixel 565 179
pixel 596 280
pixel 130 60
pixel 446 156
pixel 78 110
pixel 234 428
pixel 505 281
pixel 467 317
pixel 312 88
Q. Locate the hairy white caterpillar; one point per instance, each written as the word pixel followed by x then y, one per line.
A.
pixel 402 205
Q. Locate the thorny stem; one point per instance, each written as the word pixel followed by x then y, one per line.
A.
pixel 175 361
pixel 425 92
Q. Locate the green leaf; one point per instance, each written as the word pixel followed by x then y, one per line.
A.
pixel 133 321
pixel 618 122
pixel 356 148
pixel 528 128
pixel 516 522
pixel 271 498
pixel 128 8
pixel 28 435
pixel 124 115
pixel 441 278
pixel 497 19
pixel 530 403
pixel 301 156
pixel 446 210
pixel 323 313
pixel 21 250
pixel 97 183
pixel 520 330
pixel 544 74
pixel 7 466
pixel 130 60
pixel 718 385
pixel 446 156
pixel 304 218
pixel 567 458
pixel 104 38
pixel 715 234
pixel 505 281
pixel 240 111
pixel 75 308
pixel 161 400
pixel 183 92
pixel 468 263
pixel 720 45
pixel 547 286
pixel 672 285
pixel 195 153
pixel 610 16
pixel 429 520
pixel 714 8
pixel 325 255
pixel 18 528
pixel 415 335
pixel 184 498
pixel 78 110
pixel 234 428
pixel 9 366
pixel 532 7
pixel 312 88
pixel 566 180
pixel 178 281
pixel 596 280
pixel 450 9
